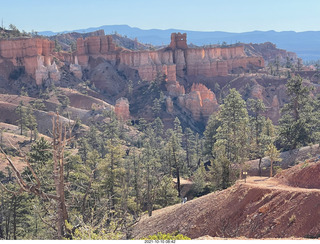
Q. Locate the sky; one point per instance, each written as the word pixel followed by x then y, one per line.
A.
pixel 198 15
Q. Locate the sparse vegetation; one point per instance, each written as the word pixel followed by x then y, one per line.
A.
pixel 173 236
pixel 292 219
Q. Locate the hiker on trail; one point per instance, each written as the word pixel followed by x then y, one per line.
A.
pixel 184 200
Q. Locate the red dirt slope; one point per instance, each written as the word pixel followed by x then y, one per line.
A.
pixel 305 175
pixel 260 208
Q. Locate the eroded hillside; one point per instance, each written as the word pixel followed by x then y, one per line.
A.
pixel 280 207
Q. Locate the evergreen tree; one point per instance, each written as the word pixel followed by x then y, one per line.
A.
pixel 298 120
pixel 156 108
pixel 233 130
pixel 113 171
pixel 274 155
pixel 23 118
pixel 158 127
pixel 261 130
pixel 210 134
pixel 189 145
pixel 151 164
pixel 31 123
pixel 176 152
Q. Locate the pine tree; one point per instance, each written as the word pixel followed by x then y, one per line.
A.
pixel 22 113
pixel 31 123
pixel 189 145
pixel 210 134
pixel 274 155
pixel 233 130
pixel 156 108
pixel 176 152
pixel 298 120
pixel 114 171
pixel 261 130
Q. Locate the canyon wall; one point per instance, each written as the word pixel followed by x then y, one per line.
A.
pixel 177 60
pixel 33 54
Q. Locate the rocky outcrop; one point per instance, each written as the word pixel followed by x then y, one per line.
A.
pixel 76 68
pixel 271 53
pixel 274 111
pixel 33 54
pixel 201 101
pixel 178 41
pixel 122 109
pixel 175 89
pixel 257 91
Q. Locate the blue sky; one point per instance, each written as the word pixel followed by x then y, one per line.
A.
pixel 201 15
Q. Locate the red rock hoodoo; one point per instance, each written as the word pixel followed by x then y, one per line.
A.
pixel 122 109
pixel 200 101
pixel 178 41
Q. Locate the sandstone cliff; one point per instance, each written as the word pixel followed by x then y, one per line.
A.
pixel 34 55
pixel 177 60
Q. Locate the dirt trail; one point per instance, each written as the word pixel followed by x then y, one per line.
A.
pixel 274 183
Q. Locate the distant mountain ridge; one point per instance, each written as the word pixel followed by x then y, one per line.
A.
pixel 305 44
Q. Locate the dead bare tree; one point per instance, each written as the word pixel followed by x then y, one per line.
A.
pixel 59 142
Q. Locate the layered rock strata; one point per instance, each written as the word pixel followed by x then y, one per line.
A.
pixel 33 54
pixel 175 60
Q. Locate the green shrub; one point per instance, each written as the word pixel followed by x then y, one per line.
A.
pixel 304 165
pixel 292 219
pixel 172 236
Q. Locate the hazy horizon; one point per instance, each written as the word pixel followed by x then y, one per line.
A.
pixel 202 15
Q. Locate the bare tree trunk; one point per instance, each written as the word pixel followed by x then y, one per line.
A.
pixel 178 181
pixel 59 143
pixel 177 172
pixel 30 135
pixel 271 168
pixel 149 204
pixel 260 161
pixel 136 180
pixel 14 218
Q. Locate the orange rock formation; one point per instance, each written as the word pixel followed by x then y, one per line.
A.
pixel 179 41
pixel 176 60
pixel 122 109
pixel 34 54
pixel 201 101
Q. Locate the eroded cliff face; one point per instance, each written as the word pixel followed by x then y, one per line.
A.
pixel 34 55
pixel 105 64
pixel 177 60
pixel 201 102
